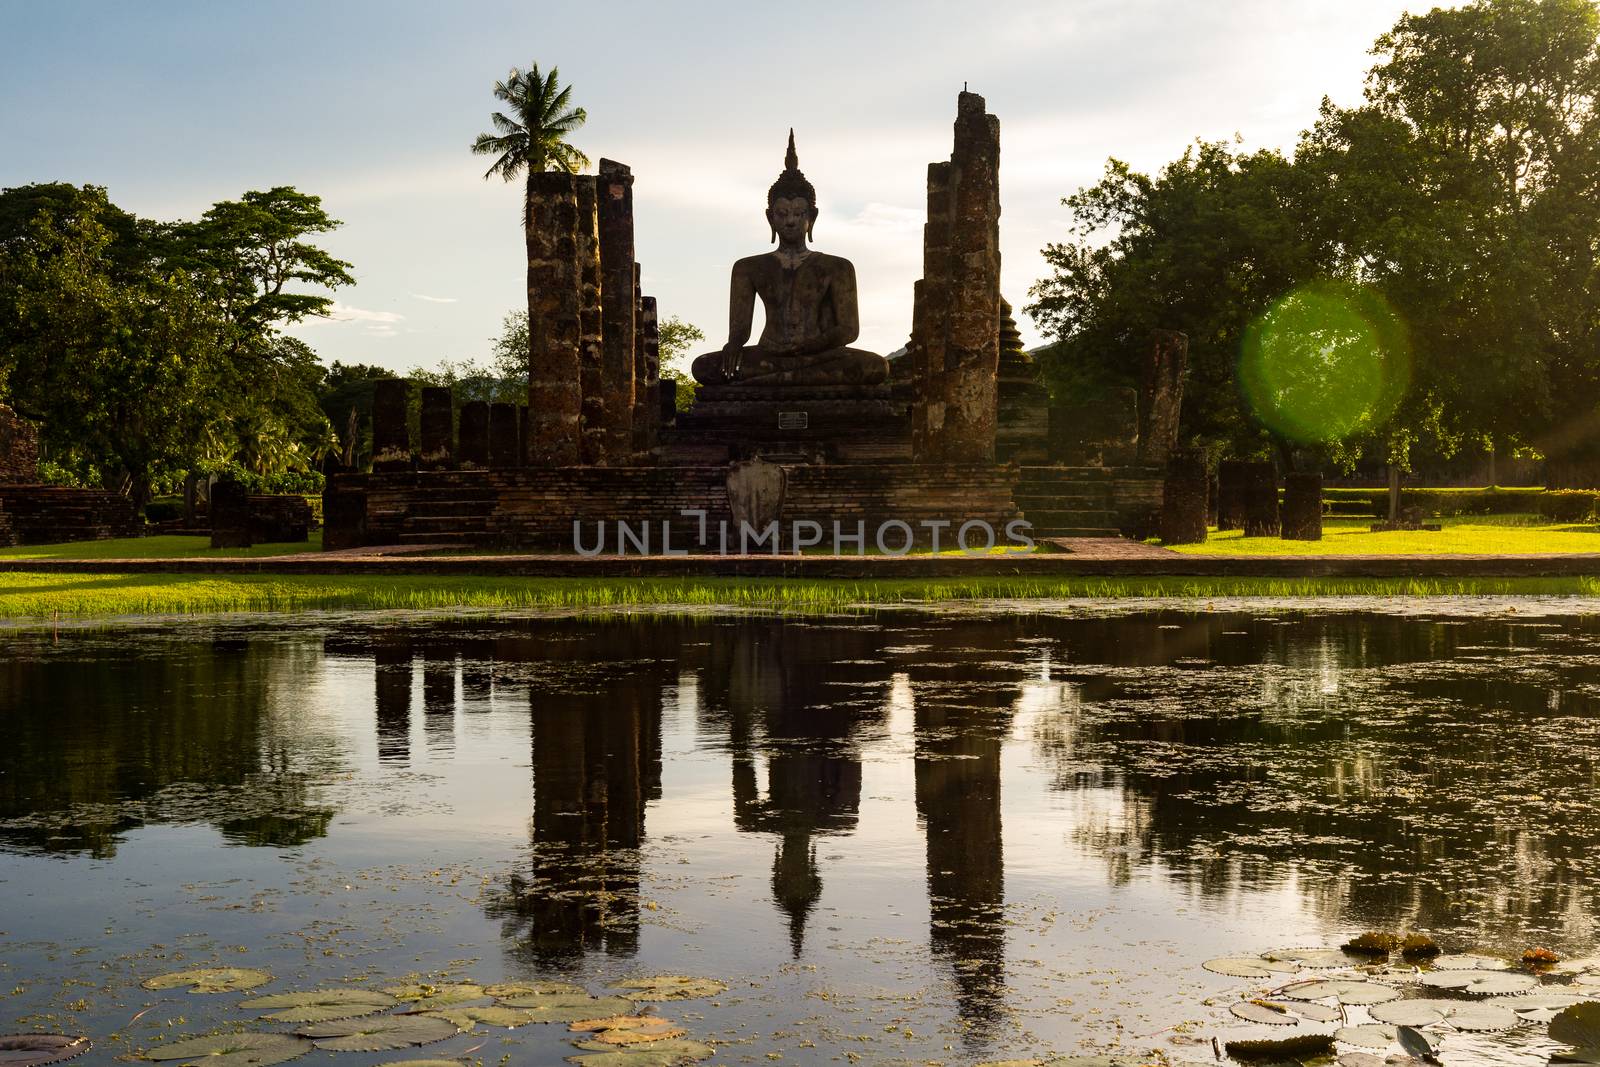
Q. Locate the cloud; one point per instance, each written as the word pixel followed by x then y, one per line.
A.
pixel 345 313
pixel 434 299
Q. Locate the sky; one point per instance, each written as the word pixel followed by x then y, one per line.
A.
pixel 173 106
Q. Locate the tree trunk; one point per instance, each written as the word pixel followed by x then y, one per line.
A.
pixel 1394 493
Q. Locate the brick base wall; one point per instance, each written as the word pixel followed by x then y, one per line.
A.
pixel 45 514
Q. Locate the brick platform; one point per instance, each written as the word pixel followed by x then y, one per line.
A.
pixel 45 514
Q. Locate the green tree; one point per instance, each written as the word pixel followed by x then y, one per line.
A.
pixel 258 246
pixel 677 339
pixel 533 138
pixel 119 364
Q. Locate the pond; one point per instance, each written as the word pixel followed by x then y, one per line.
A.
pixel 896 838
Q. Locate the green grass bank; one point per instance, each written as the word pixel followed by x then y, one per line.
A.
pixel 39 596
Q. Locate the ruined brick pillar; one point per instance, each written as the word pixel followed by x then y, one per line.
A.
pixel 391 435
pixel 1230 494
pixel 956 314
pixel 1183 498
pixel 503 451
pixel 1161 395
pixel 1259 500
pixel 230 515
pixel 1302 507
pixel 594 399
pixel 473 451
pixel 555 395
pixel 438 429
pixel 19 449
pixel 640 415
pixel 647 390
pixel 617 309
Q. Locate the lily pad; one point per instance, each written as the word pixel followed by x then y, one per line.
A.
pixel 1462 1014
pixel 320 1005
pixel 1361 1059
pixel 1467 962
pixel 568 1007
pixel 1578 1025
pixel 1264 1011
pixel 502 990
pixel 1247 967
pixel 648 1031
pixel 1346 991
pixel 35 1050
pixel 377 1035
pixel 421 1063
pixel 488 1015
pixel 233 1050
pixel 659 1054
pixel 1320 959
pixel 672 987
pixel 436 996
pixel 1367 1035
pixel 210 979
pixel 1483 983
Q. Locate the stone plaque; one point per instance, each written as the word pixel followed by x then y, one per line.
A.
pixel 793 420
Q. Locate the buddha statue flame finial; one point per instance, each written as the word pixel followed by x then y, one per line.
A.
pixel 792 185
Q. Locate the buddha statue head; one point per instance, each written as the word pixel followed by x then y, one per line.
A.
pixel 791 202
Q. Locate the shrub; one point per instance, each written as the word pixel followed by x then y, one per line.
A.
pixel 1568 505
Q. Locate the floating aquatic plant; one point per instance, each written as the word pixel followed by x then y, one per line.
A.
pixel 210 979
pixel 233 1050
pixel 1348 991
pixel 1372 943
pixel 487 1015
pixel 672 987
pixel 378 1034
pixel 1419 947
pixel 1578 1026
pixel 1462 1014
pixel 1288 1048
pixel 320 1005
pixel 1483 983
pixel 1249 967
pixel 35 1050
pixel 1367 1035
pixel 436 996
pixel 660 1054
pixel 1539 959
pixel 567 1007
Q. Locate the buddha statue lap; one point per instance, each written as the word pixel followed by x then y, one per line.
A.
pixel 810 302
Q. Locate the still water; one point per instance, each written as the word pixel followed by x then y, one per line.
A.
pixel 900 838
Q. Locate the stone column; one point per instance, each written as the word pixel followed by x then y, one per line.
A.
pixel 555 395
pixel 1183 498
pixel 1302 507
pixel 617 308
pixel 1161 395
pixel 474 449
pixel 957 309
pixel 391 436
pixel 1260 500
pixel 503 436
pixel 641 413
pixel 230 515
pixel 647 390
pixel 591 444
pixel 438 429
pixel 1231 480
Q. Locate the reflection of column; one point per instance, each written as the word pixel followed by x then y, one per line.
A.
pixel 596 762
pixel 958 801
pixel 391 659
pixel 766 680
pixel 439 696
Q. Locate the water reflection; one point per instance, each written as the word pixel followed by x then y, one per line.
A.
pixel 1354 771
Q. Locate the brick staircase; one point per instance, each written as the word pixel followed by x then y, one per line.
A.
pixel 1068 501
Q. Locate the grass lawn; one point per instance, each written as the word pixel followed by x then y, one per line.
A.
pixel 39 596
pixel 1468 534
pixel 166 546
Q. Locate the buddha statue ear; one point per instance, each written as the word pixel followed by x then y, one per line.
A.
pixel 811 221
pixel 772 226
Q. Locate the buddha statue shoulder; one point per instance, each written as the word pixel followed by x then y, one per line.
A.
pixel 809 298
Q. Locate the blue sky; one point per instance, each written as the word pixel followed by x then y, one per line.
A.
pixel 174 106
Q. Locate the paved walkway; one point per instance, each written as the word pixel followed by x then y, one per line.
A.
pixel 1086 557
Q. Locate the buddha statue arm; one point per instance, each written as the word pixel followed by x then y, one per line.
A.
pixel 741 307
pixel 846 315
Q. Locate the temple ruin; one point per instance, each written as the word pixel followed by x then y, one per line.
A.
pixel 957 429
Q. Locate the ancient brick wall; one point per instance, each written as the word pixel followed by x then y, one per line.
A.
pixel 19 449
pixel 45 514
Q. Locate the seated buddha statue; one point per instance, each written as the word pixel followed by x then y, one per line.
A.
pixel 810 302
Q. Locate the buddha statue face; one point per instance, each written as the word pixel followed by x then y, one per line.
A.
pixel 791 219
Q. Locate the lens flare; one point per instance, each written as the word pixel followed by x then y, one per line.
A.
pixel 1327 361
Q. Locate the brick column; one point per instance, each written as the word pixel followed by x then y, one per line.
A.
pixel 957 310
pixel 503 450
pixel 595 399
pixel 474 448
pixel 391 436
pixel 438 429
pixel 1161 395
pixel 617 308
pixel 554 321
pixel 647 390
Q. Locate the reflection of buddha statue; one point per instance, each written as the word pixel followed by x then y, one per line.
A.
pixel 810 304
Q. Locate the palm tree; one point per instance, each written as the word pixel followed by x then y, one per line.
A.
pixel 533 138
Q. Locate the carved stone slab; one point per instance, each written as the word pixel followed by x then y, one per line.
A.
pixel 756 490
